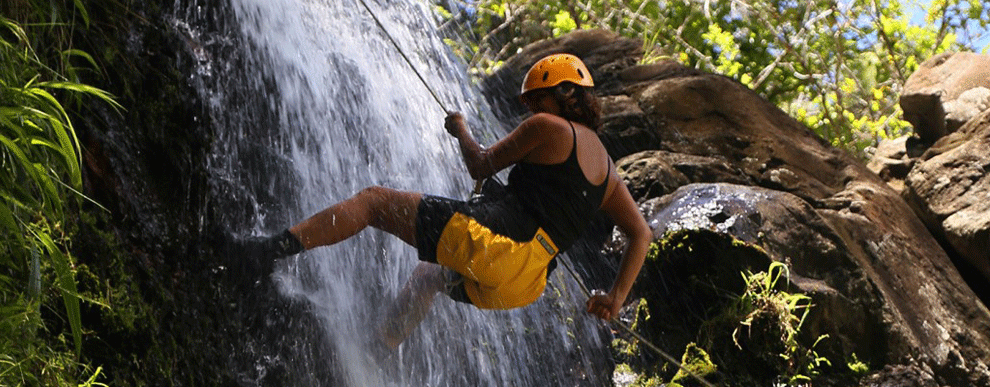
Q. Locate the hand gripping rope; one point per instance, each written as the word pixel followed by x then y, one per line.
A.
pixel 477 189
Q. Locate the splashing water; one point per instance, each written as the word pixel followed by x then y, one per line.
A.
pixel 347 112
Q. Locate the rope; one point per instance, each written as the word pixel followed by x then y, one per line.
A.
pixel 403 54
pixel 639 337
pixel 477 184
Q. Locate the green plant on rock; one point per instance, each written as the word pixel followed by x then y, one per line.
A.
pixel 630 348
pixel 857 367
pixel 694 363
pixel 770 320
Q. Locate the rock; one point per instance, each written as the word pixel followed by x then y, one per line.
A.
pixel 894 158
pixel 883 286
pixel 901 376
pixel 945 92
pixel 834 259
pixel 651 174
pixel 950 189
pixel 619 106
pixel 625 128
pixel 969 105
pixel 656 71
pixel 788 230
pixel 714 116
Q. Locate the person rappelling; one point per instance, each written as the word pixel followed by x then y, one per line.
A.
pixel 494 253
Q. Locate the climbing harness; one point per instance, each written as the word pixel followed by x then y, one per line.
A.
pixel 630 331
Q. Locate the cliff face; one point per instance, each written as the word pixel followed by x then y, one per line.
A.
pixel 703 152
pixel 173 322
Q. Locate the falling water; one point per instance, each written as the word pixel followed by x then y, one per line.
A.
pixel 347 112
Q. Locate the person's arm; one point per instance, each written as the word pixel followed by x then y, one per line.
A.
pixel 512 148
pixel 622 209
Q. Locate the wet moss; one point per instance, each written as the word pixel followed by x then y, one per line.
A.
pixel 625 376
pixel 694 363
pixel 122 325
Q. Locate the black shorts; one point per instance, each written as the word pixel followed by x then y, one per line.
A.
pixel 432 216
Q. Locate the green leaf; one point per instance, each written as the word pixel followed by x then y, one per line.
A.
pixel 82 54
pixel 8 222
pixel 82 12
pixel 86 89
pixel 563 23
pixel 14 28
pixel 18 153
pixel 44 180
pixel 67 285
pixel 62 128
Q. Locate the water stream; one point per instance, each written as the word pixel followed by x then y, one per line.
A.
pixel 345 111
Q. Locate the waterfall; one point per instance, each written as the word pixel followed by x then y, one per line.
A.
pixel 341 110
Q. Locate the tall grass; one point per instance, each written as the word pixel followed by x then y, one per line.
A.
pixel 40 176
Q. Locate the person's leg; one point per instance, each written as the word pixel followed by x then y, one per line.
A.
pixel 414 300
pixel 386 209
pixel 394 212
pixel 383 208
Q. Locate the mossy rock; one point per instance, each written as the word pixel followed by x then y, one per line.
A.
pixel 694 364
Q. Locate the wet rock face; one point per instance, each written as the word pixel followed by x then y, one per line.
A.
pixel 945 92
pixel 883 286
pixel 788 230
pixel 651 174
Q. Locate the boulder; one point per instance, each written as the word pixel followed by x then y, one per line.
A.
pixel 714 116
pixel 893 159
pixel 651 174
pixel 949 187
pixel 878 270
pixel 883 286
pixel 848 304
pixel 945 92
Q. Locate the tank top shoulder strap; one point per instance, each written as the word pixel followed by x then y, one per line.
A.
pixel 574 141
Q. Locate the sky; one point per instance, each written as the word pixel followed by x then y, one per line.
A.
pixel 917 11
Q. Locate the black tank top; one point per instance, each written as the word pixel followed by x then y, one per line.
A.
pixel 559 196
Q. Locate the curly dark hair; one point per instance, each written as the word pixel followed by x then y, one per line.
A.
pixel 576 103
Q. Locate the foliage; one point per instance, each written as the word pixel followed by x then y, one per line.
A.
pixel 838 66
pixel 41 177
pixel 629 348
pixel 769 322
pixel 623 375
pixel 695 363
pixel 857 367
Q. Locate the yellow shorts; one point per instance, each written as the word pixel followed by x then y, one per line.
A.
pixel 502 255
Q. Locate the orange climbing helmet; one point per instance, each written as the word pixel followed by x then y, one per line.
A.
pixel 554 69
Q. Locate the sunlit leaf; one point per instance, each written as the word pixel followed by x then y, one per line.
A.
pixel 67 285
